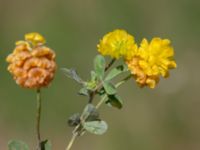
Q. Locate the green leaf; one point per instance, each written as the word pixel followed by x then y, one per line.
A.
pixel 17 145
pixel 90 113
pixel 99 66
pixel 71 73
pixel 115 101
pixel 93 76
pixel 74 120
pixel 109 88
pixel 101 92
pixel 116 71
pixel 83 91
pixel 96 127
pixel 46 145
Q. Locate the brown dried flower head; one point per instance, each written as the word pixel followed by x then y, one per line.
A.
pixel 32 64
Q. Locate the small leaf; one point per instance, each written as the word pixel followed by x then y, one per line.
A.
pixel 109 88
pixel 74 120
pixel 46 145
pixel 88 109
pixel 17 145
pixel 99 66
pixel 93 76
pixel 83 91
pixel 114 101
pixel 96 127
pixel 71 73
pixel 116 71
pixel 90 113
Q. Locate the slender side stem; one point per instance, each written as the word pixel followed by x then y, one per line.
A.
pixel 123 80
pixel 38 118
pixel 110 64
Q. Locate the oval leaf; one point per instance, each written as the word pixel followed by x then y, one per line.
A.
pixel 109 88
pixel 90 113
pixel 74 120
pixel 71 73
pixel 114 101
pixel 17 145
pixel 96 127
pixel 99 66
pixel 116 71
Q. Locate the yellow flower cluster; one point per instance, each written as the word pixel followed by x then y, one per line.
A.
pixel 147 62
pixel 31 63
pixel 117 44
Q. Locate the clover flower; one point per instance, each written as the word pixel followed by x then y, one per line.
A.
pixel 31 63
pixel 151 60
pixel 117 44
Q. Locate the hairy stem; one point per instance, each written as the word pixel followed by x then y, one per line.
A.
pixel 38 117
pixel 72 141
pixel 101 101
pixel 110 64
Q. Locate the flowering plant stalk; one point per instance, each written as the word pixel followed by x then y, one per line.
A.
pixel 33 66
pixel 145 64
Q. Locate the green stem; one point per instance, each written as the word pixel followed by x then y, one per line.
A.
pixel 123 80
pixel 110 64
pixel 101 101
pixel 38 118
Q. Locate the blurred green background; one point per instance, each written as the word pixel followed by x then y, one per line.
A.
pixel 167 118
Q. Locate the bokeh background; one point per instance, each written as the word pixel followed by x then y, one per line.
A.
pixel 166 118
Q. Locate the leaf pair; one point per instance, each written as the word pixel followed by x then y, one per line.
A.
pixel 93 123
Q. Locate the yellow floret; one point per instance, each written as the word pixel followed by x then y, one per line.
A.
pixel 35 38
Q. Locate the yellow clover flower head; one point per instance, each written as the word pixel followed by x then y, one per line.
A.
pixel 152 60
pixel 31 63
pixel 117 44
